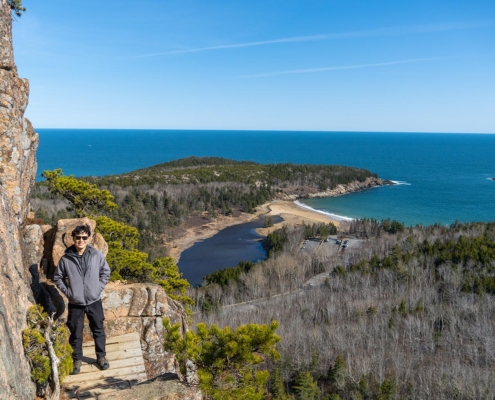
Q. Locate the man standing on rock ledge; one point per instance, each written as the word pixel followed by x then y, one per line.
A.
pixel 81 275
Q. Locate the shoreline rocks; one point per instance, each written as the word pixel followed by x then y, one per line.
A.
pixel 340 190
pixel 352 187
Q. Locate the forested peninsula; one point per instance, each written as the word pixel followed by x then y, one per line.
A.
pixel 165 200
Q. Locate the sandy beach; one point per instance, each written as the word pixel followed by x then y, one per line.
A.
pixel 290 212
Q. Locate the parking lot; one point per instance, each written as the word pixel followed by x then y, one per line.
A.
pixel 332 243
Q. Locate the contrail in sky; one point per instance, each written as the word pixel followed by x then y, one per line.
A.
pixel 343 67
pixel 391 31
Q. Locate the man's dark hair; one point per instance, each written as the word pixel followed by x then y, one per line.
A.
pixel 81 229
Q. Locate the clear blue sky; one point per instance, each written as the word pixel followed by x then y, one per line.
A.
pixel 426 66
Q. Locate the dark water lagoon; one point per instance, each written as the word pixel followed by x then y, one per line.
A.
pixel 225 249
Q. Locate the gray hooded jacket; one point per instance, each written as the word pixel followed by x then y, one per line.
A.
pixel 82 278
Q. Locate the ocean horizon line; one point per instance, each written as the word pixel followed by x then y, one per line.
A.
pixel 268 130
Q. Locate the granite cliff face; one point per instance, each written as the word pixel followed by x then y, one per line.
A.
pixel 18 144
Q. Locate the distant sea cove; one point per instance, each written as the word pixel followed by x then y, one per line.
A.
pixel 441 177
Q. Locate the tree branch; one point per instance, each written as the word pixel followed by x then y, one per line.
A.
pixel 53 358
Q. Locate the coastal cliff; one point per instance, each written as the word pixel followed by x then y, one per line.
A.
pixel 18 144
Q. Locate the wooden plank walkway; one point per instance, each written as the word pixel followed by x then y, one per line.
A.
pixel 126 363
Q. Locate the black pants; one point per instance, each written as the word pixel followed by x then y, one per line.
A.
pixel 75 323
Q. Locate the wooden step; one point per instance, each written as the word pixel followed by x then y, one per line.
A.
pixel 96 375
pixel 126 363
pixel 128 337
pixel 114 364
pixel 90 351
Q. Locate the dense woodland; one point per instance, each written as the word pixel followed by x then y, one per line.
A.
pixel 407 315
pixel 164 199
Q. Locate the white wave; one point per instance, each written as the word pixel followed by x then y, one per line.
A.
pixel 491 179
pixel 332 216
pixel 401 183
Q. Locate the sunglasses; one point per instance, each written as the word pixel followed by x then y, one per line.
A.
pixel 81 237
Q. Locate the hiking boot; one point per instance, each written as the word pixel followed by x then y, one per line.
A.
pixel 103 363
pixel 77 367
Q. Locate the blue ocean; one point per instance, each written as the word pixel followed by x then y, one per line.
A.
pixel 441 177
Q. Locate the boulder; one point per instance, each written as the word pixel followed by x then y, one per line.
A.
pixel 61 239
pixel 140 307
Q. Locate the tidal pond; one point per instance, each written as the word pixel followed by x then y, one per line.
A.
pixel 225 249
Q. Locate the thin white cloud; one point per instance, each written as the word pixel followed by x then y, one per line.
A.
pixel 344 67
pixel 391 31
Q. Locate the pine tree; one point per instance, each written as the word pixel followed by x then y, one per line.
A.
pixel 168 276
pixel 86 198
pixel 16 7
pixel 306 387
pixel 226 358
pixel 277 386
pixel 336 375
pixel 388 389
